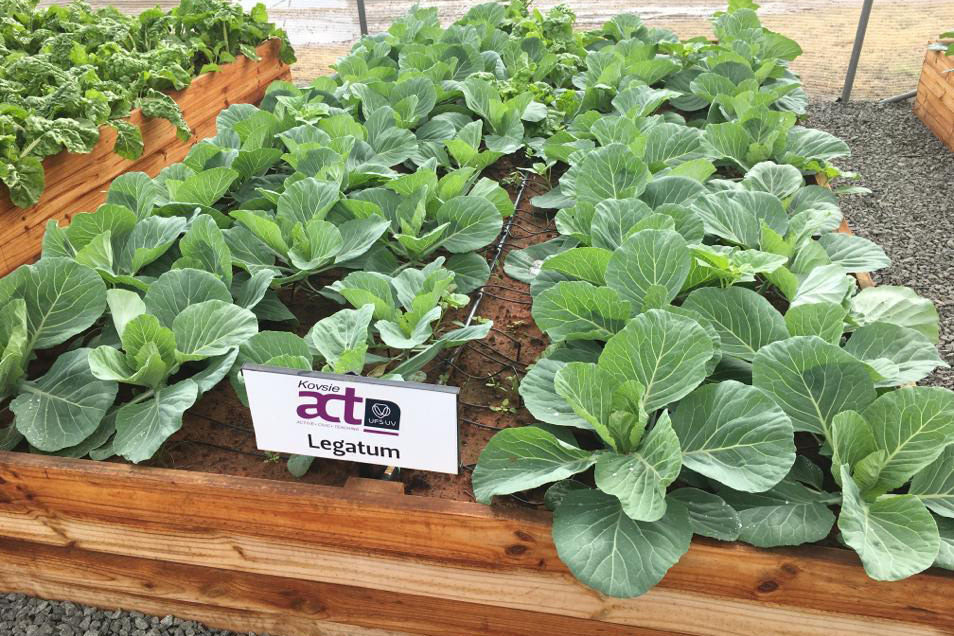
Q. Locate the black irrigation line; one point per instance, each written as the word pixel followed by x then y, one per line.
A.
pixel 212 420
pixel 180 442
pixel 509 289
pixel 498 251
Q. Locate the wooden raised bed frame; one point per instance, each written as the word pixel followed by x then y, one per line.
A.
pixel 934 103
pixel 366 559
pixel 78 182
pixel 303 560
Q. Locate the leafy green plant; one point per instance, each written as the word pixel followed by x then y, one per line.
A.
pixel 67 71
pixel 703 318
pixel 949 35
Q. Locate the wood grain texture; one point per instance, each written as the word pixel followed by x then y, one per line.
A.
pixel 78 182
pixel 454 552
pixel 303 601
pixel 934 103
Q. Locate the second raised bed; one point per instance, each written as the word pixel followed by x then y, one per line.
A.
pixel 78 182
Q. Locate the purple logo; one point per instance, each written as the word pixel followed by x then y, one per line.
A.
pixel 322 401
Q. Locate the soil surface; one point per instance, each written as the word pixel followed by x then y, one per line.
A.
pixel 217 434
pixel 910 211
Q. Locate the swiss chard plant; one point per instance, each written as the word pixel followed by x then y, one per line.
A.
pixel 66 71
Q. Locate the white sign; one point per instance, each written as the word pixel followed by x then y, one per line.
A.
pixel 404 424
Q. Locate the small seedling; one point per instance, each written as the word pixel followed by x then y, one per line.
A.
pixel 504 407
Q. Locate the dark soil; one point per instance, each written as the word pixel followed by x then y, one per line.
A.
pixel 910 211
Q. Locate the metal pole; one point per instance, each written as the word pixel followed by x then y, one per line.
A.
pixel 898 98
pixel 856 50
pixel 362 18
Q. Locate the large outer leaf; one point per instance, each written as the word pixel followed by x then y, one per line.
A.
pixel 177 289
pixel 212 328
pixel 576 310
pixel 812 380
pixel 639 479
pixel 854 253
pixel 934 484
pixel 262 347
pixel 540 396
pixel 611 172
pixel 307 199
pixel 135 191
pixel 13 344
pixel 358 235
pixel 913 354
pixel 789 513
pixel 610 552
pixel 945 556
pixel 585 263
pixel 473 223
pixel 895 536
pixel 709 514
pixel 63 298
pixel 823 284
pixel 142 427
pixel 646 259
pixel 665 352
pixel 524 265
pixel 745 320
pixel 897 305
pixel 728 219
pixel 203 247
pixel 342 336
pixel 781 180
pixel 735 434
pixel 522 458
pixel 825 320
pixel 912 426
pixel 65 405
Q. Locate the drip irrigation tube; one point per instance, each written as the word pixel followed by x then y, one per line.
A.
pixel 498 251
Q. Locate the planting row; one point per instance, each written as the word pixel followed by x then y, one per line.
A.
pixel 714 368
pixel 67 71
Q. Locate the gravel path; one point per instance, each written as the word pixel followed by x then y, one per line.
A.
pixel 910 211
pixel 25 616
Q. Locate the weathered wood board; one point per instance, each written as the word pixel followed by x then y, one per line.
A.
pixel 302 560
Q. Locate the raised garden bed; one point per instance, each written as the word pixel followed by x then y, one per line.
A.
pixel 335 554
pixel 934 103
pixel 78 182
pixel 299 559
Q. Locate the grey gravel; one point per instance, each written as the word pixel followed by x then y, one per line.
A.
pixel 22 615
pixel 910 211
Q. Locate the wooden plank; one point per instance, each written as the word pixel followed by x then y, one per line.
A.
pixel 662 609
pixel 451 550
pixel 71 570
pixel 77 182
